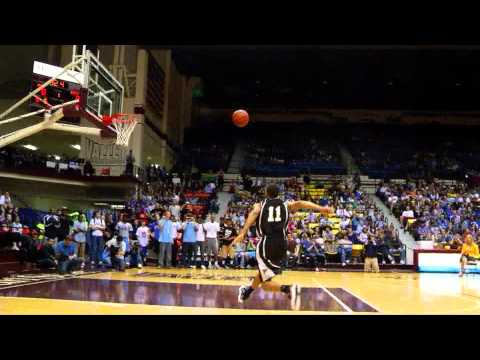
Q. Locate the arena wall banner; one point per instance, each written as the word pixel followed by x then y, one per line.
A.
pixel 103 154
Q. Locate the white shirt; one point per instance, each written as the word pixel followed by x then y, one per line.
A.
pixel 124 229
pixel 2 199
pixel 98 222
pixel 143 233
pixel 123 246
pixel 408 213
pixel 363 237
pixel 344 223
pixel 17 228
pixel 175 210
pixel 212 228
pixel 200 233
pixel 83 227
pixel 343 212
pixel 393 199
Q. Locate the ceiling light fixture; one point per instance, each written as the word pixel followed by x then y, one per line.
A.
pixel 30 147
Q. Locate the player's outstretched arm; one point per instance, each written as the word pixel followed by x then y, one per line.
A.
pixel 297 205
pixel 248 223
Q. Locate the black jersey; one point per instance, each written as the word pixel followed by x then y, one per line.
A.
pixel 273 219
pixel 227 234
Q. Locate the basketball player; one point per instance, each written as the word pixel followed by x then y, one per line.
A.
pixel 271 217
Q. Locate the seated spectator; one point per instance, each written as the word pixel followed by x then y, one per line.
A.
pixel 406 215
pixel 312 253
pixel 117 247
pixel 330 245
pixel 240 255
pixel 344 248
pixel 46 258
pixel 383 251
pixel 470 253
pixel 66 251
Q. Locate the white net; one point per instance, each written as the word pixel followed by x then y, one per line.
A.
pixel 123 125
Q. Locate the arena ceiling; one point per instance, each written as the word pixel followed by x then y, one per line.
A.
pixel 377 77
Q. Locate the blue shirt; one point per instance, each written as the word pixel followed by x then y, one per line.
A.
pixel 163 232
pixel 65 250
pixel 189 232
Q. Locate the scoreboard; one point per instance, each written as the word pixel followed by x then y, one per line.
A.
pixel 66 87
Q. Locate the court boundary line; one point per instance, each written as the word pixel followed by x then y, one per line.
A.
pixel 41 282
pixel 340 302
pixel 362 299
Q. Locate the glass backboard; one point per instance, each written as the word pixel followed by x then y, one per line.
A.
pixel 103 92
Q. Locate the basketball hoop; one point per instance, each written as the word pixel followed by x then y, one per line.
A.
pixel 123 125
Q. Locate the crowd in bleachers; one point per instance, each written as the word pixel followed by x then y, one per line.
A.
pixel 69 240
pixel 316 240
pixel 433 211
pixel 33 161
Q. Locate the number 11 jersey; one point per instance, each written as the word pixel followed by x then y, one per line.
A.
pixel 273 219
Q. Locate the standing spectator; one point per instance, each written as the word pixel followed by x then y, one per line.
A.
pixel 124 228
pixel 66 255
pixel 16 229
pixel 165 238
pixel 8 199
pixel 371 261
pixel 212 229
pixel 88 169
pixel 228 233
pixel 189 228
pixel 175 210
pixel 201 242
pixel 177 235
pixel 143 236
pixel 80 228
pixel 64 225
pixel 51 222
pixel 97 225
pixel 129 164
pixel 109 224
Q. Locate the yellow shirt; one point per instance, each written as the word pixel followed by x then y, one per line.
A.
pixel 470 250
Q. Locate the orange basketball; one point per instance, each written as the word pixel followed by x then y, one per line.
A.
pixel 240 118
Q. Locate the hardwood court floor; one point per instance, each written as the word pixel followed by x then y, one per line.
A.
pixel 182 291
